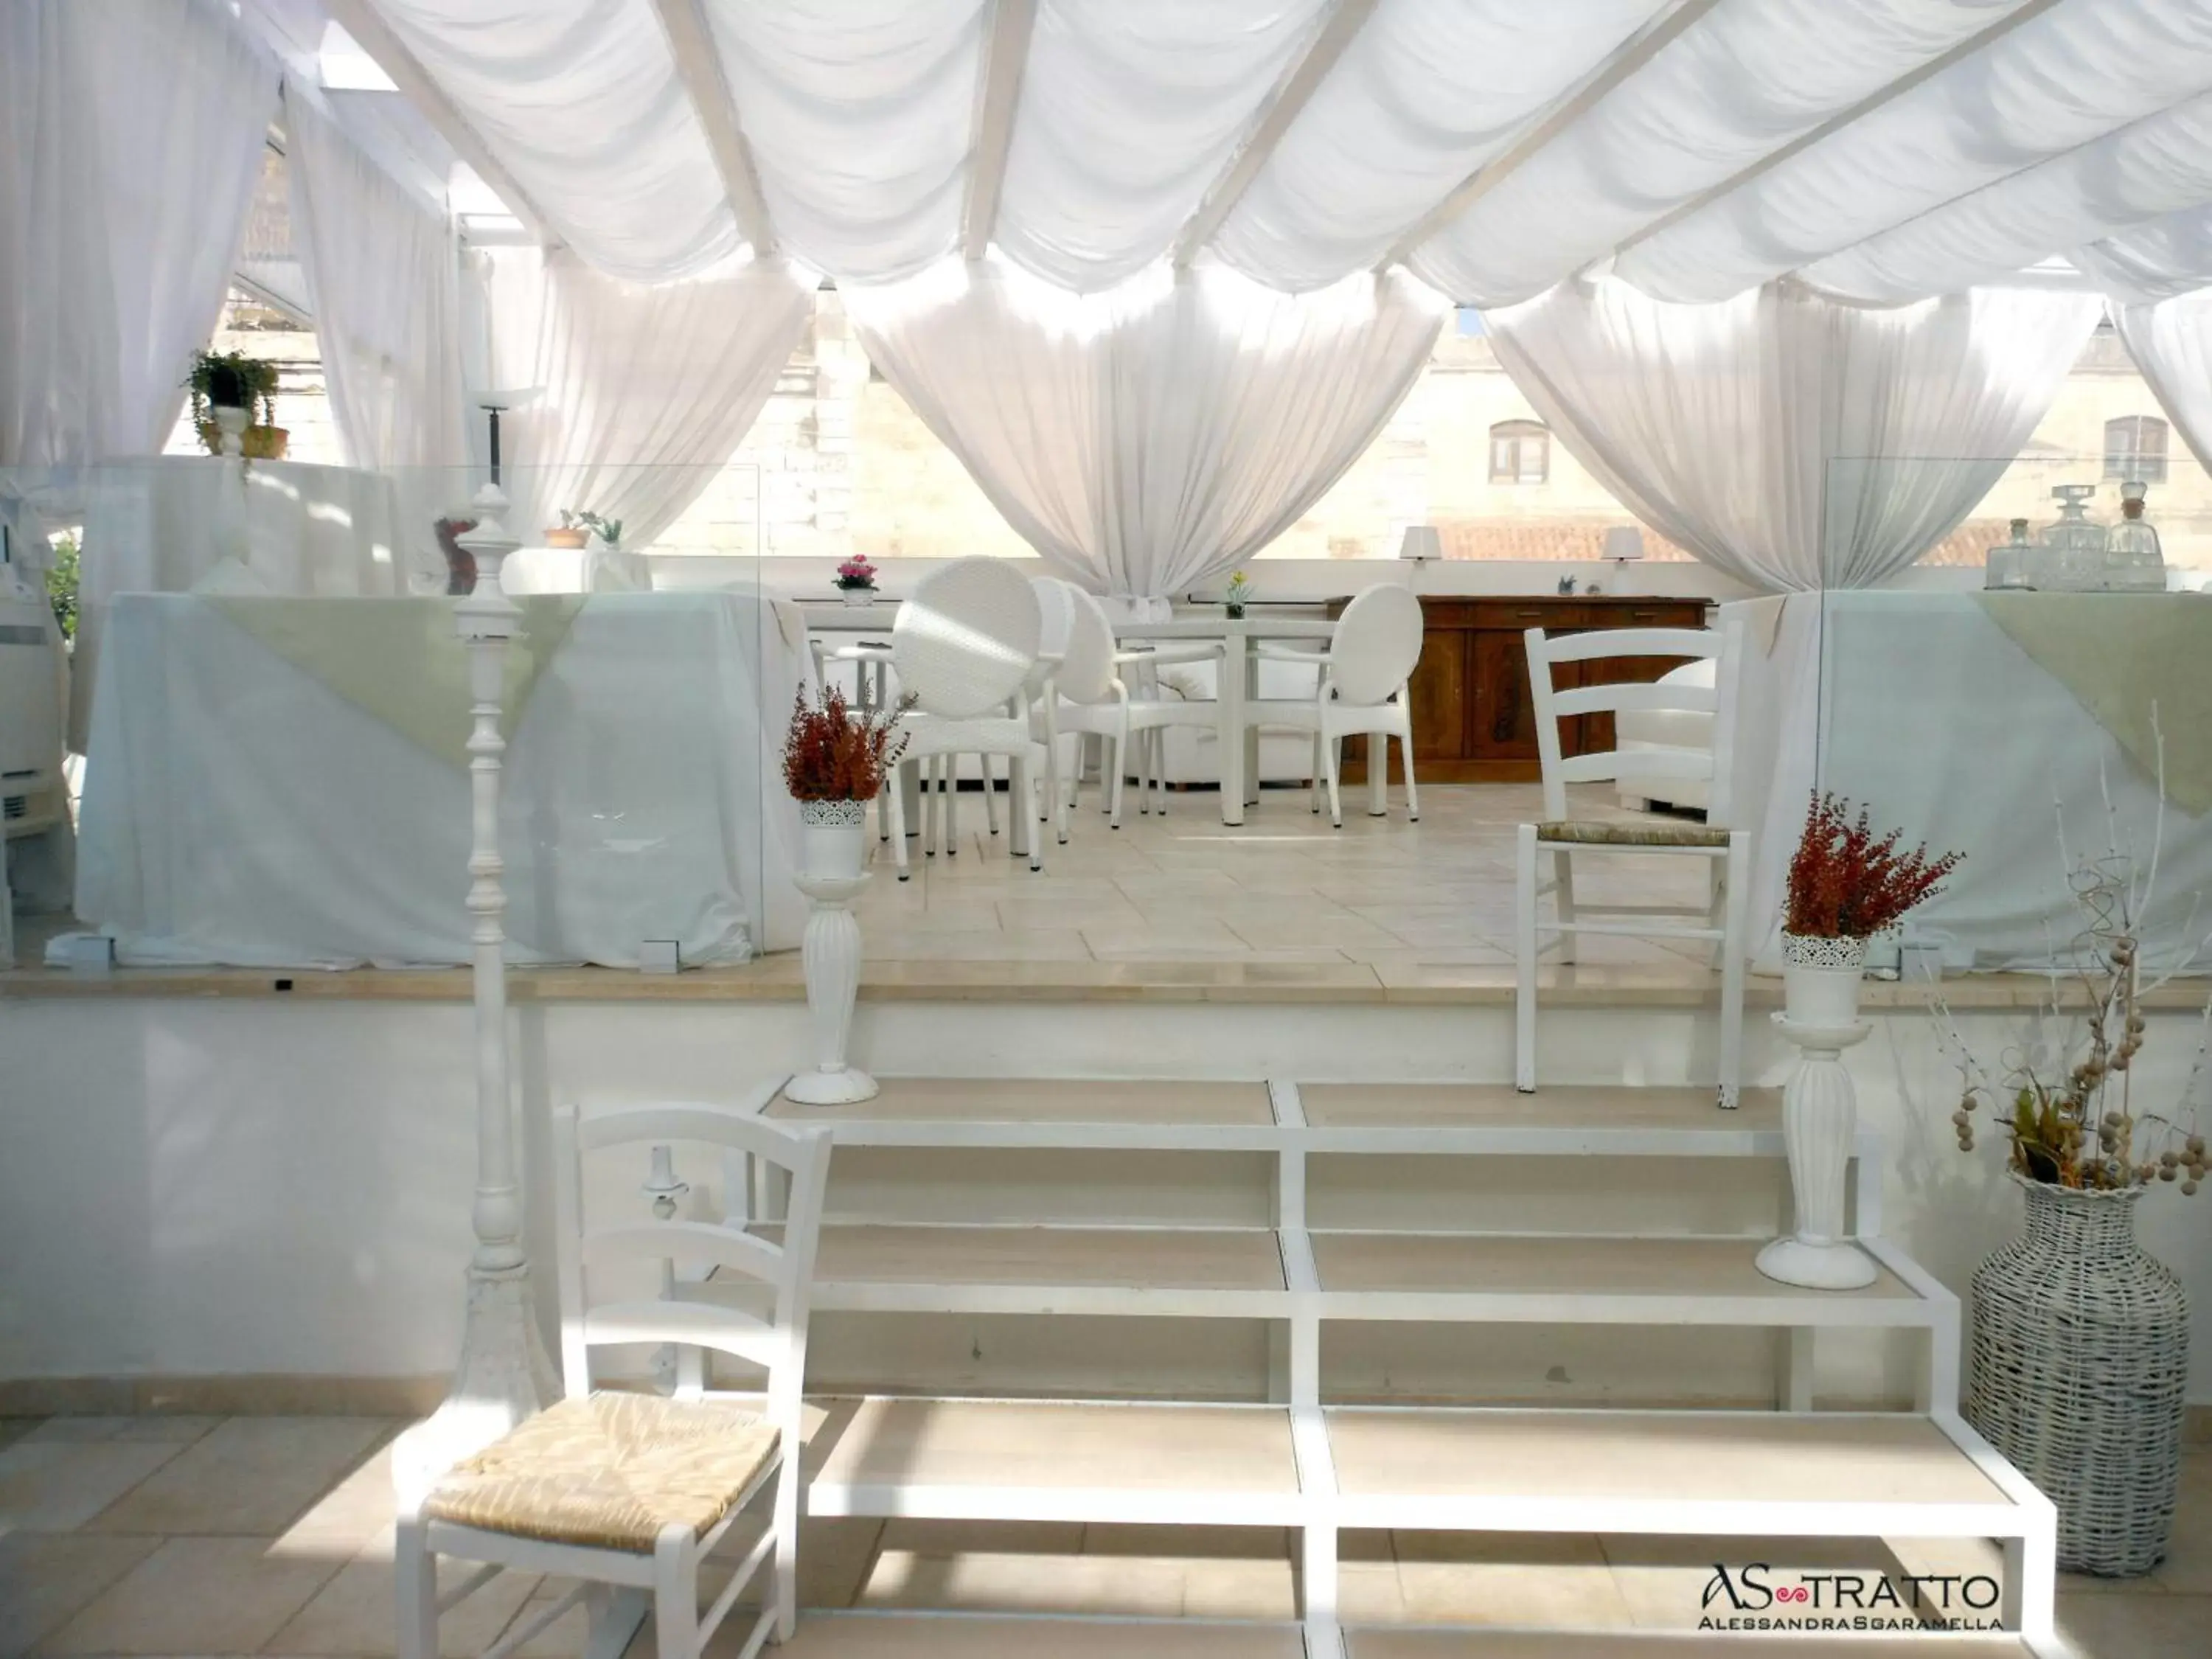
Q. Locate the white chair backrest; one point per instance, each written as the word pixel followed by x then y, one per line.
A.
pixel 964 643
pixel 1553 702
pixel 1376 645
pixel 786 1268
pixel 1086 663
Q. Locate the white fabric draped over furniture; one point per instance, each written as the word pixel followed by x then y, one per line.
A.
pixel 132 134
pixel 1726 426
pixel 1147 438
pixel 383 277
pixel 648 391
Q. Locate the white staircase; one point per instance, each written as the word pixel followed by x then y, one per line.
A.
pixel 1302 1461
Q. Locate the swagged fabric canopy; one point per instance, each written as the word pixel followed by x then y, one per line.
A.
pixel 1081 235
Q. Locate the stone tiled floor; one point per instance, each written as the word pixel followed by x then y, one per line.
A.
pixel 1281 887
pixel 172 1535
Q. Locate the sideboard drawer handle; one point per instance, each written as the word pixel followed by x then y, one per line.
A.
pixel 1644 616
pixel 1530 613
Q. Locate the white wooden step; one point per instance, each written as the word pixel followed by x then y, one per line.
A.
pixel 1656 1644
pixel 911 1635
pixel 1163 1114
pixel 1036 1460
pixel 1218 1272
pixel 1829 1475
pixel 1566 1118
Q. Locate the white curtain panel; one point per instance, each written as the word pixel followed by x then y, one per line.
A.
pixel 383 276
pixel 859 114
pixel 2061 79
pixel 131 135
pixel 1424 95
pixel 1727 427
pixel 1145 439
pixel 1129 113
pixel 2135 176
pixel 580 102
pixel 647 392
pixel 1737 87
pixel 2172 345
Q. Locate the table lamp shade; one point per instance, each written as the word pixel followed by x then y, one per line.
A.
pixel 1624 541
pixel 1420 542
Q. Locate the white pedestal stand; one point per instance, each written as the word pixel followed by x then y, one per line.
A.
pixel 232 423
pixel 833 871
pixel 1819 1121
pixel 504 1375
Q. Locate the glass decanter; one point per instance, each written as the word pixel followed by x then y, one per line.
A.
pixel 2007 565
pixel 2133 562
pixel 2073 551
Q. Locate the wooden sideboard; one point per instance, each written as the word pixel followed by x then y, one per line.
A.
pixel 1473 722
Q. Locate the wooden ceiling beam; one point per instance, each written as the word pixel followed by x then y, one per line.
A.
pixel 998 93
pixel 1639 49
pixel 374 36
pixel 1291 95
pixel 699 68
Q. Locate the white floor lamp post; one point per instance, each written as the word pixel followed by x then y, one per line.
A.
pixel 504 1374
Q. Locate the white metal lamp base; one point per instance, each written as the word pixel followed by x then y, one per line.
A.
pixel 504 1377
pixel 1832 1266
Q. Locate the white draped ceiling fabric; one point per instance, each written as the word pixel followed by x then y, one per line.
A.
pixel 1146 438
pixel 131 133
pixel 645 390
pixel 1878 151
pixel 1727 426
pixel 384 287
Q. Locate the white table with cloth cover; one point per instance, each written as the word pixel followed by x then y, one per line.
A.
pixel 162 526
pixel 283 782
pixel 1974 722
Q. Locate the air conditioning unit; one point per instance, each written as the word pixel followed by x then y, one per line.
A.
pixel 33 795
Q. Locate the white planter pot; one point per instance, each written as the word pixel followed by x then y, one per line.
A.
pixel 833 862
pixel 1820 1113
pixel 857 596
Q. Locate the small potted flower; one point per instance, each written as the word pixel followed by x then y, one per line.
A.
pixel 856 581
pixel 1238 594
pixel 1845 886
pixel 835 761
pixel 573 532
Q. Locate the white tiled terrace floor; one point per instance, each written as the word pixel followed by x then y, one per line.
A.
pixel 1282 887
pixel 171 1535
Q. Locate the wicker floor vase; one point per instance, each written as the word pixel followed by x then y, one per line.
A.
pixel 2078 1365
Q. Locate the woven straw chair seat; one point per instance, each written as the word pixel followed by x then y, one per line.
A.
pixel 609 1471
pixel 1631 834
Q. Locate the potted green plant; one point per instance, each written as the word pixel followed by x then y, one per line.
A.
pixel 570 532
pixel 607 529
pixel 232 380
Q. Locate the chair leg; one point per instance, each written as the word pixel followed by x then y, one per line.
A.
pixel 1320 777
pixel 787 1550
pixel 1562 874
pixel 1413 795
pixel 1160 771
pixel 1378 774
pixel 991 794
pixel 1333 755
pixel 948 787
pixel 1115 752
pixel 1737 947
pixel 416 1570
pixel 1021 767
pixel 675 1599
pixel 897 800
pixel 1524 961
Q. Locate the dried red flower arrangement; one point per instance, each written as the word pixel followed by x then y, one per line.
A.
pixel 833 752
pixel 1846 884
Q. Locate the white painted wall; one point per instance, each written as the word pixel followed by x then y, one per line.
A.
pixel 245 1187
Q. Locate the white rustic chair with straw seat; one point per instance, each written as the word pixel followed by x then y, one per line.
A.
pixel 1361 690
pixel 1560 839
pixel 634 1491
pixel 1089 693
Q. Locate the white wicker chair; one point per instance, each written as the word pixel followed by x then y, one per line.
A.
pixel 1561 840
pixel 963 647
pixel 1362 689
pixel 632 1492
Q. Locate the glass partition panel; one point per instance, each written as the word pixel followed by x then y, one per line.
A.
pixel 2023 687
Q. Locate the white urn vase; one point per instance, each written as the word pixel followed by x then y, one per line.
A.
pixel 1820 1113
pixel 833 868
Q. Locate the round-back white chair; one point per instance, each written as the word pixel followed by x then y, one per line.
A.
pixel 1086 648
pixel 963 647
pixel 1376 645
pixel 1363 691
